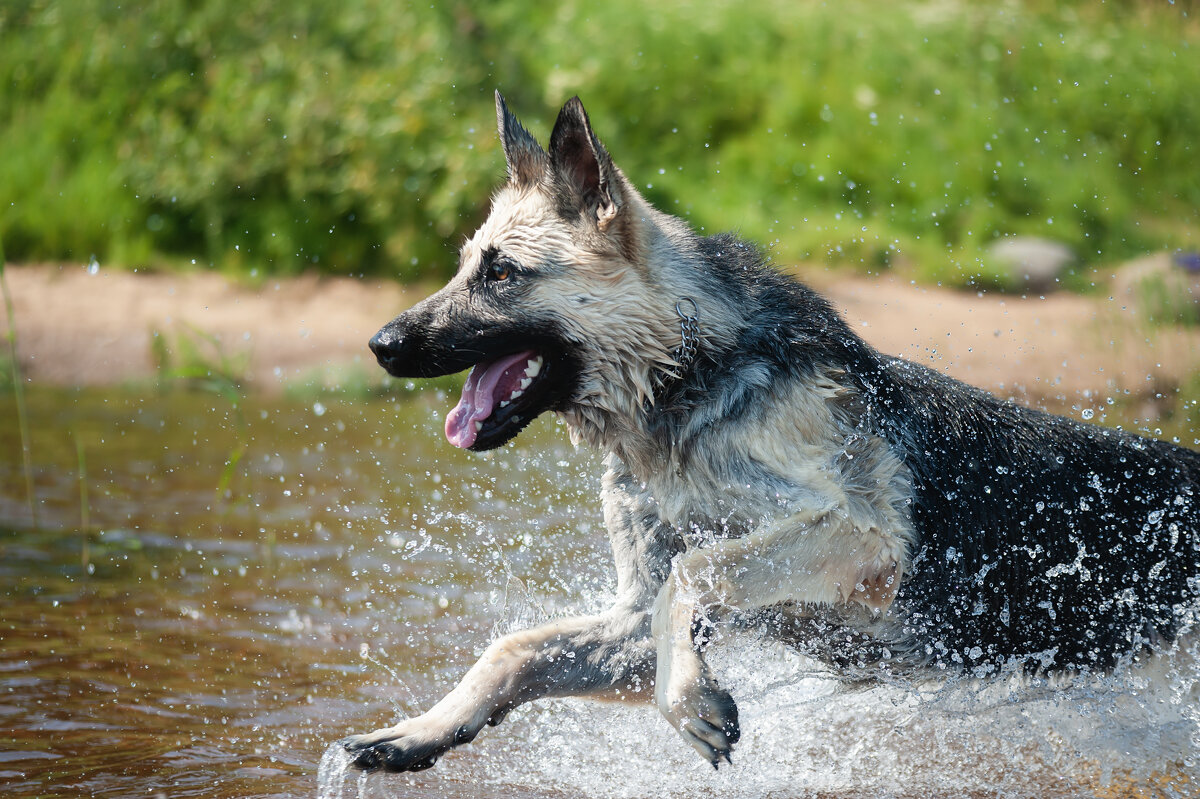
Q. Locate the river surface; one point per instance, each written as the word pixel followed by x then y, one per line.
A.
pixel 218 587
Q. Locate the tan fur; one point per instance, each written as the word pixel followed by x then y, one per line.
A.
pixel 846 539
pixel 599 293
pixel 840 538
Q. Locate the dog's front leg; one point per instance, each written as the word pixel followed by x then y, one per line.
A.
pixel 815 558
pixel 568 657
pixel 684 687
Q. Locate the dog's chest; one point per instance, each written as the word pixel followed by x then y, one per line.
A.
pixel 739 477
pixel 704 503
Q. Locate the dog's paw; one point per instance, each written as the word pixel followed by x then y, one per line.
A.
pixel 704 714
pixel 409 746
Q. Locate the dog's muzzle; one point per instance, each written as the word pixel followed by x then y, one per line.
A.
pixel 414 345
pixel 404 351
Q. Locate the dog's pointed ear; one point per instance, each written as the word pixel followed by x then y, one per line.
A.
pixel 527 161
pixel 584 173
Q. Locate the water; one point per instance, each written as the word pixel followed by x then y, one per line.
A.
pixel 218 627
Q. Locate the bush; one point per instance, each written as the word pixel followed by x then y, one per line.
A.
pixel 359 137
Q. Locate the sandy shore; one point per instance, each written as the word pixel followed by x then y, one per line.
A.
pixel 77 326
pixel 81 327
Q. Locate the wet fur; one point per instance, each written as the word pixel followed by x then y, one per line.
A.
pixel 876 513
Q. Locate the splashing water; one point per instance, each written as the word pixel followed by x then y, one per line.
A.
pixel 807 735
pixel 331 773
pixel 804 735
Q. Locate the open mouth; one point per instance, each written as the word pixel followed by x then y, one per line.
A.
pixel 498 400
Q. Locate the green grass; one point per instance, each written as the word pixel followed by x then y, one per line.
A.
pixel 197 360
pixel 8 373
pixel 85 507
pixel 1168 300
pixel 359 137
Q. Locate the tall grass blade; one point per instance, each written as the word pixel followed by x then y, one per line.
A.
pixel 85 523
pixel 19 394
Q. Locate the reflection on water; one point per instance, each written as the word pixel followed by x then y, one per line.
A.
pixel 206 642
pixel 214 644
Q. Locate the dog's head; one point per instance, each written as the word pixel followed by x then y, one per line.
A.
pixel 552 305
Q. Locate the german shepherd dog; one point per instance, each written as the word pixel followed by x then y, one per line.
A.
pixel 767 467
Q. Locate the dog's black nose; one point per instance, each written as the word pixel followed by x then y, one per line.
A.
pixel 383 345
pixel 376 344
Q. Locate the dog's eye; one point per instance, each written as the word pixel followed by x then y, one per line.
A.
pixel 500 270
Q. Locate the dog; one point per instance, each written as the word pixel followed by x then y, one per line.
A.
pixel 766 467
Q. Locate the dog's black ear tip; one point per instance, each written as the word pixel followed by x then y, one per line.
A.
pixel 573 112
pixel 574 109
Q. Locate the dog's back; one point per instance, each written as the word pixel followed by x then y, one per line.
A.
pixel 1055 543
pixel 1040 541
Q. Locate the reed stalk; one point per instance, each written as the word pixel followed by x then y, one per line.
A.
pixel 85 521
pixel 19 393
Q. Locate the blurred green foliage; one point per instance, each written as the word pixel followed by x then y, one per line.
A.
pixel 359 136
pixel 1168 300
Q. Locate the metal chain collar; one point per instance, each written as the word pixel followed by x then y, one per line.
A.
pixel 689 331
pixel 685 353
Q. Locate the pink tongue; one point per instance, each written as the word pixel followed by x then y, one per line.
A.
pixel 479 397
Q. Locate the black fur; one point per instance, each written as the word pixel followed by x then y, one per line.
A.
pixel 1072 544
pixel 527 161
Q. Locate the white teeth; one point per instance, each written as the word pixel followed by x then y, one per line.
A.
pixel 504 403
pixel 525 383
pixel 533 367
pixel 516 394
pixel 478 426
